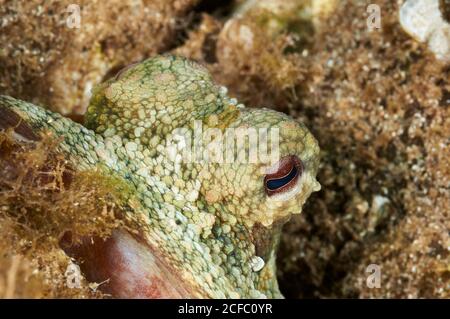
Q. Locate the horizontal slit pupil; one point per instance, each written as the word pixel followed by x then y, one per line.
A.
pixel 277 183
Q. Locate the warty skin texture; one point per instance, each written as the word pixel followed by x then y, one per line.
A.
pixel 212 223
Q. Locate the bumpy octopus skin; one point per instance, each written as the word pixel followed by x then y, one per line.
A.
pixel 204 229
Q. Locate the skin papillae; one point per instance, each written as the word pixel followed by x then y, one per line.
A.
pixel 209 225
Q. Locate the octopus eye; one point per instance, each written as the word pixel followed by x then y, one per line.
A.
pixel 288 171
pixel 123 70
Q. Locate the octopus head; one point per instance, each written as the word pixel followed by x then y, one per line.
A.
pixel 267 170
pixel 235 174
pixel 258 165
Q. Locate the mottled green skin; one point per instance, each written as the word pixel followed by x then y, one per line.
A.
pixel 208 220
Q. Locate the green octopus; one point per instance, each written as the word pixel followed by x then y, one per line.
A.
pixel 215 224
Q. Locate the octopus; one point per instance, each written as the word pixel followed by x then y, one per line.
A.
pixel 204 227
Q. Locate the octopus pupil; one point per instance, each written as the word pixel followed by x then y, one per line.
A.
pixel 277 183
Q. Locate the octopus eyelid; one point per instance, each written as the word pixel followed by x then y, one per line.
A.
pixel 276 183
pixel 289 170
